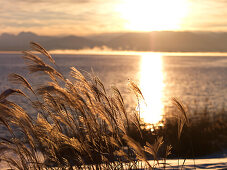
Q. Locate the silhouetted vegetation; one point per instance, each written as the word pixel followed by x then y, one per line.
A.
pixel 78 124
pixel 205 134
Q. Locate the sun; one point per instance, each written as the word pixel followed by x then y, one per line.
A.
pixel 151 15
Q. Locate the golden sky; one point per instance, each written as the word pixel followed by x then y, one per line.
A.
pixel 80 17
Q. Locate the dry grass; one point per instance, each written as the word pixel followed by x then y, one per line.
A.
pixel 76 123
pixel 201 134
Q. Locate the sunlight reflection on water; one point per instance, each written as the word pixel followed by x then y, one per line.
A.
pixel 151 84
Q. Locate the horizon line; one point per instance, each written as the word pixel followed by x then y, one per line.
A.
pixel 118 32
pixel 115 52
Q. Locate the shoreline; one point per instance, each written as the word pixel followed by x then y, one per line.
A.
pixel 116 52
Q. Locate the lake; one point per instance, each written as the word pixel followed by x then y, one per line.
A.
pixel 198 80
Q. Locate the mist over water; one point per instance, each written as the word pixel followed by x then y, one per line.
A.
pixel 198 81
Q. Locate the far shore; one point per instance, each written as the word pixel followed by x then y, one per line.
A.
pixel 116 52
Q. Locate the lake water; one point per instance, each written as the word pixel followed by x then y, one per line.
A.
pixel 197 80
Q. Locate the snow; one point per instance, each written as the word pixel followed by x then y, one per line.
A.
pixel 210 162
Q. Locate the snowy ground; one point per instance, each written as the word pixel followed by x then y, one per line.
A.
pixel 211 163
pixel 217 161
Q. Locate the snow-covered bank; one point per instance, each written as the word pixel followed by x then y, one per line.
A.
pixel 209 163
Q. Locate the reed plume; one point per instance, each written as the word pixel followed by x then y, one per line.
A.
pixel 76 122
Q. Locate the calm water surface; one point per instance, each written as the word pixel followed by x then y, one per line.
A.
pixel 196 80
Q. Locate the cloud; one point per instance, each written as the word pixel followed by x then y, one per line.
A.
pixel 79 16
pixel 207 15
pixel 50 1
pixel 94 16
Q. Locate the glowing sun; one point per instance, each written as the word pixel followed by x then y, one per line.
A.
pixel 150 15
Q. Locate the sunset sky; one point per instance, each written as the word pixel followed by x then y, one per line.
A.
pixel 81 17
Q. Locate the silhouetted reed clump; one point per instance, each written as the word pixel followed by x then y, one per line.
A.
pixel 77 124
pixel 205 133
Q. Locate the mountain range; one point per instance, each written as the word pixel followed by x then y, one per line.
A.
pixel 164 41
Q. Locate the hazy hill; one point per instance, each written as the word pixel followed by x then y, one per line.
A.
pixel 139 41
pixel 105 37
pixel 10 42
pixel 171 41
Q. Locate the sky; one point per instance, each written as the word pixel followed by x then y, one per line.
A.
pixel 83 17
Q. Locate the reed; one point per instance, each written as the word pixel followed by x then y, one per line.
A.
pixel 203 133
pixel 76 122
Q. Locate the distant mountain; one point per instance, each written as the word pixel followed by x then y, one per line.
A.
pixel 166 41
pixel 105 36
pixel 169 41
pixel 10 42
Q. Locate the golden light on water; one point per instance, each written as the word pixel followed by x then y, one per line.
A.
pixel 151 84
pixel 150 15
